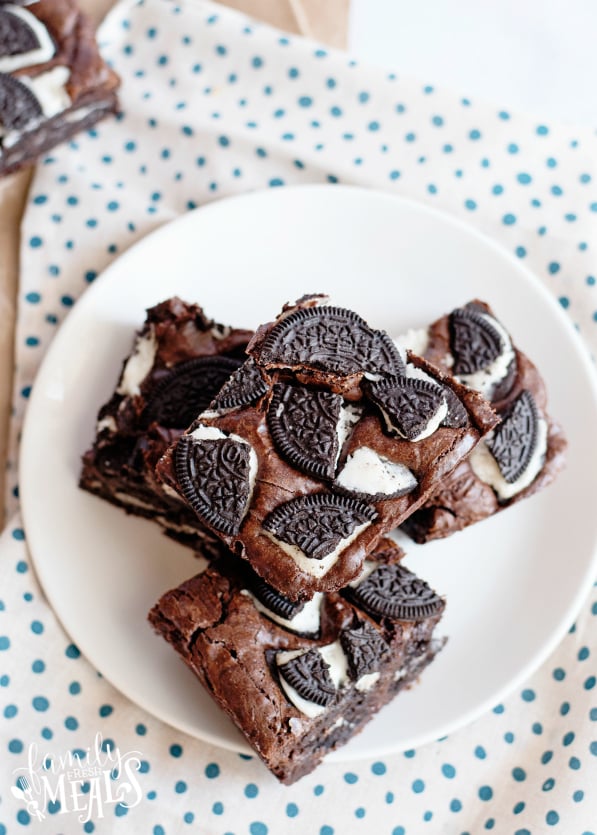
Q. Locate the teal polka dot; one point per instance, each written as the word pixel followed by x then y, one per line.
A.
pixel 524 178
pixel 212 771
pixel 105 710
pixel 497 189
pixel 389 797
pixel 292 810
pixel 485 793
pixel 418 786
pixel 251 790
pixel 360 812
pixel 398 830
pixel 552 818
pixel 35 242
pixel 4 642
pixel 15 746
pixel 305 101
pixel 589 683
pixel 218 808
pixel 74 688
pixel 10 711
pixel 542 130
pixel 175 750
pixel 378 768
pixel 448 771
pixel 509 219
pixel 480 752
pixel 71 723
pixel 475 134
pixel 553 267
pixel 350 777
pixel 455 805
pixel 574 763
pixel 180 787
pixel 188 817
pixel 519 774
pixel 470 204
pixel 528 695
pixel 72 651
pixel 548 784
pixel 258 828
pixel 546 757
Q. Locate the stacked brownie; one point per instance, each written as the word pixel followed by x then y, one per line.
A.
pixel 288 465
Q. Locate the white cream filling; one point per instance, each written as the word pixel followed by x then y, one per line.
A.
pixel 44 52
pixel 367 472
pixel 369 566
pixel 212 433
pixel 350 415
pixel 221 331
pixel 133 501
pixel 485 380
pixel 415 340
pixel 486 467
pixel 108 423
pixel 333 655
pixel 170 491
pixel 82 112
pixel 317 568
pixel 173 526
pixel 367 681
pixel 138 365
pixel 307 621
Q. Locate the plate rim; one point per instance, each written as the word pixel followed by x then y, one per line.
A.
pixel 86 301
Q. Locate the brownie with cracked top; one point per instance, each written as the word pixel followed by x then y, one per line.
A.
pixel 301 679
pixel 325 439
pixel 521 456
pixel 179 361
pixel 53 80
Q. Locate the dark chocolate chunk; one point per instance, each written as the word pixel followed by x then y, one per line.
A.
pixel 187 390
pixel 274 601
pixel 319 522
pixel 474 342
pixel 393 591
pixel 18 106
pixel 303 423
pixel 364 648
pixel 244 387
pixel 330 339
pixel 515 438
pixel 457 416
pixel 308 675
pixel 408 403
pixel 16 36
pixel 213 476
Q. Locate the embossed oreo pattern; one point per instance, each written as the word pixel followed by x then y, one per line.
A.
pixel 394 592
pixel 474 342
pixel 213 476
pixel 244 387
pixel 514 439
pixel 308 674
pixel 317 524
pixel 18 105
pixel 187 390
pixel 273 600
pixel 302 423
pixel 408 402
pixel 16 36
pixel 364 648
pixel 330 339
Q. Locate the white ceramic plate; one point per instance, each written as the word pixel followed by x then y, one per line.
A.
pixel 514 582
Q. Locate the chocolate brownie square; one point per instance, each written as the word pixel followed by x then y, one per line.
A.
pixel 301 679
pixel 179 361
pixel 324 440
pixel 517 459
pixel 53 81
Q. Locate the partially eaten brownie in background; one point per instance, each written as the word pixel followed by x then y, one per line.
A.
pixel 53 80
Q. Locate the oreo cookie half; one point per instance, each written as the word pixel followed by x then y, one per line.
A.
pixel 330 339
pixel 408 404
pixel 187 390
pixel 515 438
pixel 303 425
pixel 364 648
pixel 392 591
pixel 16 36
pixel 474 342
pixel 308 674
pixel 274 601
pixel 317 524
pixel 245 386
pixel 18 105
pixel 214 477
pixel 457 416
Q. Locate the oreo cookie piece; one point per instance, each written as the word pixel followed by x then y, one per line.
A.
pixel 274 601
pixel 392 591
pixel 308 674
pixel 303 424
pixel 317 524
pixel 515 438
pixel 214 476
pixel 411 407
pixel 18 105
pixel 364 648
pixel 330 339
pixel 187 390
pixel 16 36
pixel 457 416
pixel 244 387
pixel 474 342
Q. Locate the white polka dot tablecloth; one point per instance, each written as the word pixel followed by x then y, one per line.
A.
pixel 214 104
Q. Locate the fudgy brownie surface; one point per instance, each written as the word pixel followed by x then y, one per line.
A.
pixel 179 362
pixel 53 81
pixel 526 451
pixel 327 438
pixel 298 684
